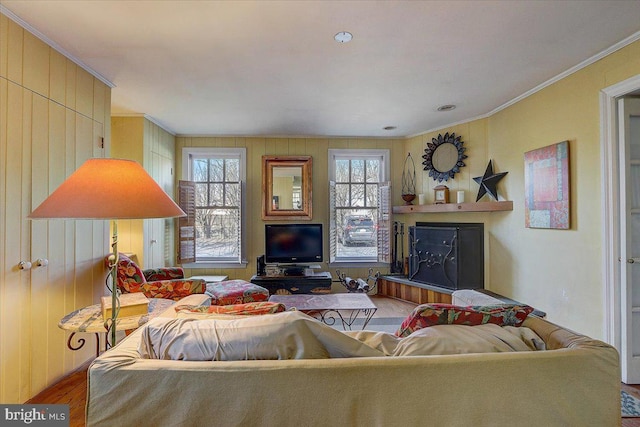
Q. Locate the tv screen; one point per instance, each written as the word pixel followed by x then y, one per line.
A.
pixel 293 243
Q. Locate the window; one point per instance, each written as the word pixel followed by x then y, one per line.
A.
pixel 360 211
pixel 212 231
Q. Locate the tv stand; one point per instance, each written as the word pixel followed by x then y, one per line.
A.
pixel 316 283
pixel 293 270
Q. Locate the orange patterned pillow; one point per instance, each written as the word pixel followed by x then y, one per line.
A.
pixel 250 308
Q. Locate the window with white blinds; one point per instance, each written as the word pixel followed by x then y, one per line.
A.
pixel 359 206
pixel 212 197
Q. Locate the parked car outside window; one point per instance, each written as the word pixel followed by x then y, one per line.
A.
pixel 359 230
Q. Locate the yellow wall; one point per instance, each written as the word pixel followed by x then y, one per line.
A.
pixel 159 160
pixel 557 271
pixel 53 116
pixel 139 139
pixel 315 147
pixel 127 142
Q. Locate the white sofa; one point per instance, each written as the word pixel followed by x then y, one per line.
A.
pixel 575 382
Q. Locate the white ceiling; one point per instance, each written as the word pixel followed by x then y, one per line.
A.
pixel 273 67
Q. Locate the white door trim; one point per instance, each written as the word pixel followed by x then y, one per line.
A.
pixel 611 205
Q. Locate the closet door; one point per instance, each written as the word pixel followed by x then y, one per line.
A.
pixel 15 298
pixel 629 132
pixel 59 145
pixel 44 142
pixel 53 115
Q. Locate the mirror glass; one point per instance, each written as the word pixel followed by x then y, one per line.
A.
pixel 445 157
pixel 286 187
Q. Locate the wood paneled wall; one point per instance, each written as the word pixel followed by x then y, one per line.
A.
pixel 318 148
pixel 53 116
pixel 137 138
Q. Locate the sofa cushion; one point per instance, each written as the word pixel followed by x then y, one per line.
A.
pixel 426 315
pixel 460 339
pixel 453 339
pixel 288 335
pixel 235 291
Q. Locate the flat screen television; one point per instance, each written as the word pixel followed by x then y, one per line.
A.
pixel 293 243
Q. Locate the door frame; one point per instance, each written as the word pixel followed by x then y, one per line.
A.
pixel 609 151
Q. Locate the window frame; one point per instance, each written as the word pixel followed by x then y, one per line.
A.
pixel 384 156
pixel 188 153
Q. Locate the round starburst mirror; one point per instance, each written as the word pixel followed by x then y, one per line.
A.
pixel 444 156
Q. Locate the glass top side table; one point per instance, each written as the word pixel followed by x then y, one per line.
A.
pixel 89 319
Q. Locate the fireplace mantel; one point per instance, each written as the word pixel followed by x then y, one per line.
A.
pixel 506 205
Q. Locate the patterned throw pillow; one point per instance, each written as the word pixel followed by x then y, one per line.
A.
pixel 426 315
pixel 130 276
pixel 251 308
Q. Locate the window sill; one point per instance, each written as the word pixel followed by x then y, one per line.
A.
pixel 210 264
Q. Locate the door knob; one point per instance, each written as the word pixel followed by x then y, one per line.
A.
pixel 41 262
pixel 24 265
pixel 633 260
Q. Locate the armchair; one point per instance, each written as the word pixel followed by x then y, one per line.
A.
pixel 166 283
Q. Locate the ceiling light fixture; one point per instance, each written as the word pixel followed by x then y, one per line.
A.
pixel 447 107
pixel 343 37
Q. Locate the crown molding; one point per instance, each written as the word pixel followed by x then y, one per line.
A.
pixel 595 58
pixel 460 122
pixel 621 44
pixel 54 45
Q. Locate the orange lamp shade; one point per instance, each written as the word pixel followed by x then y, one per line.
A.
pixel 108 189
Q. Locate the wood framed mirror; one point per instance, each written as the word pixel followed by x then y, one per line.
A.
pixel 286 187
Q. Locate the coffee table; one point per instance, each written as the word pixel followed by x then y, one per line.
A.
pixel 328 308
pixel 89 319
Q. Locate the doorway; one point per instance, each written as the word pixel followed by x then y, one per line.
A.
pixel 622 296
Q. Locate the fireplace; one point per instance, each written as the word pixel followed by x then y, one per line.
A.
pixel 448 255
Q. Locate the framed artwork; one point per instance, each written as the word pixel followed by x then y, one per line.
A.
pixel 546 184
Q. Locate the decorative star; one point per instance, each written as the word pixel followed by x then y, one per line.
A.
pixel 488 182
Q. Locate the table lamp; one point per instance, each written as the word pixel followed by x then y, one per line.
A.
pixel 108 189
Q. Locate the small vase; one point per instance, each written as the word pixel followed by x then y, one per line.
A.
pixel 408 198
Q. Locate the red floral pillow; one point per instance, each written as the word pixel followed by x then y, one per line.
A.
pixel 130 276
pixel 426 315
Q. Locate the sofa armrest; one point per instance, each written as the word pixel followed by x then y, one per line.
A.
pixel 467 297
pixel 163 273
pixel 194 300
pixel 173 289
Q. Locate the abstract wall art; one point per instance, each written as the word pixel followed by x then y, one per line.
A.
pixel 546 183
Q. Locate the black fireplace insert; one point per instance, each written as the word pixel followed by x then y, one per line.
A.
pixel 449 255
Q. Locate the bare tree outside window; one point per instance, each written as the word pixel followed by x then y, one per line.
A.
pixel 356 207
pixel 218 198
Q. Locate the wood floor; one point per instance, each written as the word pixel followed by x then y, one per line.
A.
pixel 72 389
